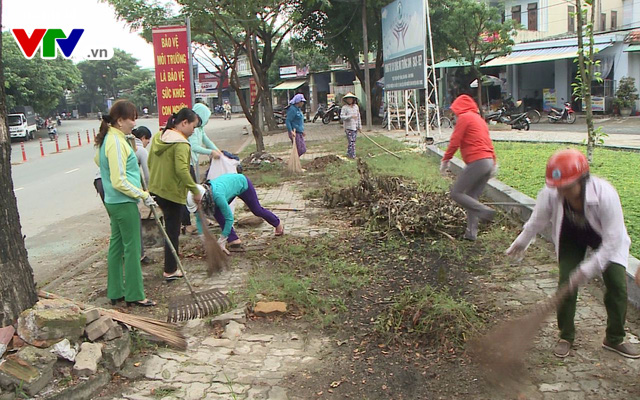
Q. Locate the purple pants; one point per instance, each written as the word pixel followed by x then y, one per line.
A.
pixel 250 198
pixel 300 143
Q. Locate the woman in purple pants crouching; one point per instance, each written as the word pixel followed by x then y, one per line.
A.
pixel 219 193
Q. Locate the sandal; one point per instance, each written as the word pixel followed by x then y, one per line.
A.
pixel 114 301
pixel 173 277
pixel 236 248
pixel 145 303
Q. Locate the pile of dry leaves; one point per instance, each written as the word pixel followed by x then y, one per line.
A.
pixel 399 204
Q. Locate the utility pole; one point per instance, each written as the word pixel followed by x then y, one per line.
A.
pixel 367 78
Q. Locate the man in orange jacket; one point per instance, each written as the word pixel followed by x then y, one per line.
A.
pixel 471 136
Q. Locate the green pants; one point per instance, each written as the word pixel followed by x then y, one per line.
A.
pixel 124 250
pixel 615 297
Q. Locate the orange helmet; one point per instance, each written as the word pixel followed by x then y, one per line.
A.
pixel 565 167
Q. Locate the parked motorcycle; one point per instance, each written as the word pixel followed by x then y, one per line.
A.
pixel 319 113
pixel 518 121
pixel 280 116
pixel 53 132
pixel 565 114
pixel 332 114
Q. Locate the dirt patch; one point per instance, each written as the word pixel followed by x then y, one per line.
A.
pixel 320 163
pixel 400 205
pixel 256 160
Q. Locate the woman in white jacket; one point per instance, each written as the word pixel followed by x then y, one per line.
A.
pixel 350 115
pixel 584 212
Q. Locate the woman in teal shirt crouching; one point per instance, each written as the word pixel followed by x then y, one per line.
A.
pixel 221 191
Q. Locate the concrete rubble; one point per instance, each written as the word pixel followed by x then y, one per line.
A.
pixel 50 321
pixel 88 358
pixel 46 347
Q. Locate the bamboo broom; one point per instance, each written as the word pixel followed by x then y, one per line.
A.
pixel 161 330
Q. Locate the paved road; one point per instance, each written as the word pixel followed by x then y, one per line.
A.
pixel 60 213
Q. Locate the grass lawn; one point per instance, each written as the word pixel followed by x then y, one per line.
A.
pixel 522 166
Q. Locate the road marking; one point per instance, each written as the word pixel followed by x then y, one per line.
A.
pixel 20 188
pixel 73 170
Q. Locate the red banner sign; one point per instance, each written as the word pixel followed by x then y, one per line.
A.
pixel 173 82
pixel 253 90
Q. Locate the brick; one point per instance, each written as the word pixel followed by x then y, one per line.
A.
pixel 265 308
pixel 98 328
pixel 92 315
pixel 113 333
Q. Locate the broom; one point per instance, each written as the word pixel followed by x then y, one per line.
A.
pixel 293 164
pixel 501 351
pixel 163 331
pixel 216 258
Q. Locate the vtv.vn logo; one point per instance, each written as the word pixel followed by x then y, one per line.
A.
pixel 50 40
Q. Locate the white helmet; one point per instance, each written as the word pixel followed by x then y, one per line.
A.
pixel 191 205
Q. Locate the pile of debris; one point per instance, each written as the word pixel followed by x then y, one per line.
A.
pixel 257 159
pixel 320 163
pixel 55 341
pixel 399 204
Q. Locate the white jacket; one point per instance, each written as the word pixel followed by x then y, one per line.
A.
pixel 602 210
pixel 350 114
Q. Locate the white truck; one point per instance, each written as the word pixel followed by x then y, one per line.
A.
pixel 22 123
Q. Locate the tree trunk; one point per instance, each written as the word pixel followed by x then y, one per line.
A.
pixel 586 76
pixel 247 110
pixel 479 77
pixel 266 100
pixel 17 288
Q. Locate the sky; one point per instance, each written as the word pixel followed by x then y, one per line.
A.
pixel 102 29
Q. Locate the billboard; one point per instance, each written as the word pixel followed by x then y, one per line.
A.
pixel 173 79
pixel 403 44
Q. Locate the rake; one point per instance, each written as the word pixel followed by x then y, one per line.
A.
pixel 196 305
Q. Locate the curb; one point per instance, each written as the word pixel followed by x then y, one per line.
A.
pixel 500 192
pixel 51 286
pixel 605 146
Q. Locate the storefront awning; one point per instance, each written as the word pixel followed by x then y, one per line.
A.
pixel 452 63
pixel 290 85
pixel 632 48
pixel 539 55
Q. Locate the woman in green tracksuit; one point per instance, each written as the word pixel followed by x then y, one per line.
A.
pixel 121 181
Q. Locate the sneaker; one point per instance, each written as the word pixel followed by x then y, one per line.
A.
pixel 562 349
pixel 624 349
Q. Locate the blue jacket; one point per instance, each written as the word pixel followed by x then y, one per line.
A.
pixel 200 143
pixel 295 119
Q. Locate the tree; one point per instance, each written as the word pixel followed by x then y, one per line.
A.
pixel 474 31
pixel 586 64
pixel 254 29
pixel 113 78
pixel 17 288
pixel 301 54
pixel 36 82
pixel 337 25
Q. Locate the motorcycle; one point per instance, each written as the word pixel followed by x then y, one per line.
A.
pixel 53 132
pixel 565 114
pixel 280 116
pixel 319 113
pixel 218 110
pixel 518 121
pixel 332 114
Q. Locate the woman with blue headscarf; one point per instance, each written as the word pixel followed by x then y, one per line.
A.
pixel 295 122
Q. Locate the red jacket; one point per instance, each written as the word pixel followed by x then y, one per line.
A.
pixel 471 133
